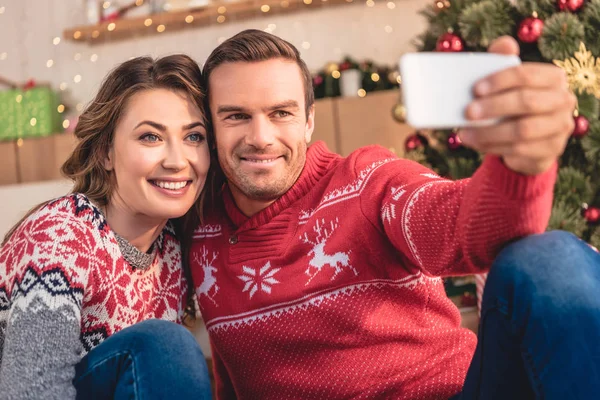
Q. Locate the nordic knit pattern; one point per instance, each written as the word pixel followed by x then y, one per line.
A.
pixel 65 287
pixel 334 290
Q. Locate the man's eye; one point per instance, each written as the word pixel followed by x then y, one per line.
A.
pixel 237 117
pixel 149 137
pixel 282 114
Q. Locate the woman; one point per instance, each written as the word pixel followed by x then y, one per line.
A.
pixel 87 266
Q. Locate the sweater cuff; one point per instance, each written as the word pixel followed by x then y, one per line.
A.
pixel 515 185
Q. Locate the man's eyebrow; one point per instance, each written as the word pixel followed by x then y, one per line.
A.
pixel 284 104
pixel 228 108
pixel 277 106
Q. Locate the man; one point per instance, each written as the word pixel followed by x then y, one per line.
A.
pixel 320 276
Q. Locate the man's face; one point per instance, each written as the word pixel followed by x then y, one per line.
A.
pixel 261 128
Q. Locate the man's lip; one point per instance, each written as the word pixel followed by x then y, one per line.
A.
pixel 260 158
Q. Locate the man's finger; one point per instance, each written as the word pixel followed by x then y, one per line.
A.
pixel 525 101
pixel 518 130
pixel 547 148
pixel 532 75
pixel 504 45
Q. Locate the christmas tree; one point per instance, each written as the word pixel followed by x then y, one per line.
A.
pixel 563 32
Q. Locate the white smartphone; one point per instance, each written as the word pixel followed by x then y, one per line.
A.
pixel 437 87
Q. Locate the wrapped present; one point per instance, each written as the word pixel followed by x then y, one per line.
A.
pixel 29 112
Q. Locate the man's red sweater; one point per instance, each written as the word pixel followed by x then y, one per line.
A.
pixel 334 290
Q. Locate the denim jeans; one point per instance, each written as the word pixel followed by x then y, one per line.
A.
pixel 153 359
pixel 539 335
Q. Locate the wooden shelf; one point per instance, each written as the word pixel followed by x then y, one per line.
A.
pixel 213 14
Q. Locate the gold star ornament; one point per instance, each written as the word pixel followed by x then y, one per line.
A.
pixel 583 71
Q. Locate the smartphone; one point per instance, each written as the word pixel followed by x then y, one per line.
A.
pixel 437 87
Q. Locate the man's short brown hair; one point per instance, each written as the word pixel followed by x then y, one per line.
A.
pixel 254 45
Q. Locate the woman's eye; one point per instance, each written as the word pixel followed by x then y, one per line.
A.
pixel 149 137
pixel 196 137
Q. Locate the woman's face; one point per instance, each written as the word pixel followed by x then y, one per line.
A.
pixel 159 156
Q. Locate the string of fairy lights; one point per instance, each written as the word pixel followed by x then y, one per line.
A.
pixel 219 11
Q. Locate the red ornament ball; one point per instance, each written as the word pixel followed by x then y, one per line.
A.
pixel 592 215
pixel 317 80
pixel 530 30
pixel 413 142
pixel 582 126
pixel 450 43
pixel 454 141
pixel 570 5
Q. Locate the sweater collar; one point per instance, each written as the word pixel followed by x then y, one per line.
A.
pixel 318 160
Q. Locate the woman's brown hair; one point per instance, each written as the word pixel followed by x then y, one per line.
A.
pixel 97 124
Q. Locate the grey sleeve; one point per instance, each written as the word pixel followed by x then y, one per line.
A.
pixel 41 345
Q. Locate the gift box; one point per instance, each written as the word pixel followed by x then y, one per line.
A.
pixel 29 113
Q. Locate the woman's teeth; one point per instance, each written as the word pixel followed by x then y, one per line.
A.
pixel 171 185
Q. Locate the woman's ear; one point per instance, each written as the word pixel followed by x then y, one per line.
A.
pixel 108 163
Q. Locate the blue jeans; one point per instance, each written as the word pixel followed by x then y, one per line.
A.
pixel 539 335
pixel 153 359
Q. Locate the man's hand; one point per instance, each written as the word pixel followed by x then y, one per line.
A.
pixel 537 110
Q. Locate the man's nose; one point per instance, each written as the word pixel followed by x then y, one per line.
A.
pixel 262 132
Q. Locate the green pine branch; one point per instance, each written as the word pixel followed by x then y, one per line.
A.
pixel 574 156
pixel 426 41
pixel 544 8
pixel 561 36
pixel 588 105
pixel 595 237
pixel 572 188
pixel 418 155
pixel 565 217
pixel 447 17
pixel 461 168
pixel 591 19
pixel 591 144
pixel 439 22
pixel 437 161
pixel 481 23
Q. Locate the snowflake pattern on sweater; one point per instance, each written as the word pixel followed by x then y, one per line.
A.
pixel 62 275
pixel 334 290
